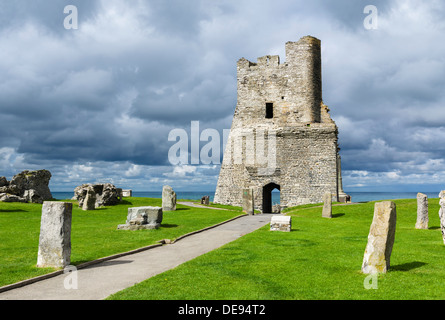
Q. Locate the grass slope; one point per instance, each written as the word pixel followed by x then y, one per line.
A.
pixel 320 259
pixel 94 234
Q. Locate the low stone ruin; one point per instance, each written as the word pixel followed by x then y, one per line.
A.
pixel 140 218
pixel 27 186
pixel 106 194
pixel 127 193
pixel 281 223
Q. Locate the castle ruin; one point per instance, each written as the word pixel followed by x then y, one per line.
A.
pixel 280 117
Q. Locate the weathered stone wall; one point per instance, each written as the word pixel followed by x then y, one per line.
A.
pixel 300 136
pixel 106 194
pixel 26 186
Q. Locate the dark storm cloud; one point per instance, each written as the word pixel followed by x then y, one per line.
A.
pixel 111 91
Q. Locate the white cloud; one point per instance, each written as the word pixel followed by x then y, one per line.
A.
pixel 181 171
pixel 133 171
pixel 10 161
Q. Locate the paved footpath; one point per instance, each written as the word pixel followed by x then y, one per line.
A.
pixel 98 281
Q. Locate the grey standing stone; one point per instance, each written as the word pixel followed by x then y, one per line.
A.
pixel 89 203
pixel 380 239
pixel 422 211
pixel 205 200
pixel 139 218
pixel 168 199
pixel 55 235
pixel 248 202
pixel 327 205
pixel 442 213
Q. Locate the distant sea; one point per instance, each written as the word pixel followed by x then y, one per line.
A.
pixel 197 195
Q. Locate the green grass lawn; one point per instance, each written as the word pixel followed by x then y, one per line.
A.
pixel 94 234
pixel 319 259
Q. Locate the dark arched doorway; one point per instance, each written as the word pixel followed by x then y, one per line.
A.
pixel 267 196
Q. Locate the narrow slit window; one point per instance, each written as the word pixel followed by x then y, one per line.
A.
pixel 269 110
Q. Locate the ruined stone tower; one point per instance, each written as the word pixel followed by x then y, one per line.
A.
pixel 282 135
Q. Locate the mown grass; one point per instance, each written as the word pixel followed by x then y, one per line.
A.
pixel 224 206
pixel 319 259
pixel 94 234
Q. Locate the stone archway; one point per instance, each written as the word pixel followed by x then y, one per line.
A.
pixel 267 196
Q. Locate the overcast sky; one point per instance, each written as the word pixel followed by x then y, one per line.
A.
pixel 96 104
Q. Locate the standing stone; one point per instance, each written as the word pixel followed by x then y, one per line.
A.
pixel 90 200
pixel 140 218
pixel 205 200
pixel 55 235
pixel 327 205
pixel 442 213
pixel 248 202
pixel 168 199
pixel 380 239
pixel 422 211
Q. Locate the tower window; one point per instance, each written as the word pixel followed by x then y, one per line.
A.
pixel 269 110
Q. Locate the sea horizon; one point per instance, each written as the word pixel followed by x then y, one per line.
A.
pixel 362 196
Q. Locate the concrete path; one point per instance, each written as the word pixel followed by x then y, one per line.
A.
pixel 98 281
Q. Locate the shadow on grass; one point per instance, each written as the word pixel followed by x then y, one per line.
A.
pixel 293 243
pixel 433 228
pixel 167 225
pixel 13 210
pixel 337 215
pixel 408 266
pixel 177 209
